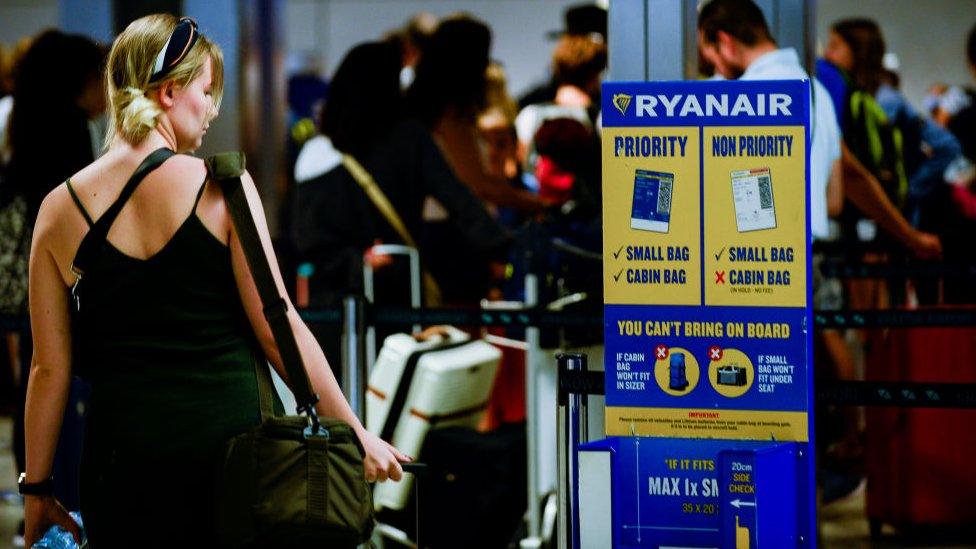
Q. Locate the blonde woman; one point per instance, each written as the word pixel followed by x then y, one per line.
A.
pixel 178 320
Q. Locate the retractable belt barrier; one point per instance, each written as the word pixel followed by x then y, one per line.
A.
pixel 544 318
pixel 895 318
pixel 838 268
pixel 843 393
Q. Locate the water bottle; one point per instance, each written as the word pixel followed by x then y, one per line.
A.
pixel 57 537
pixel 305 271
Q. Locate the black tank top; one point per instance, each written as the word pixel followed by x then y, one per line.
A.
pixel 171 354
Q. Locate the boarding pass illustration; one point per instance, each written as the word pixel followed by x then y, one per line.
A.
pixel 651 208
pixel 752 193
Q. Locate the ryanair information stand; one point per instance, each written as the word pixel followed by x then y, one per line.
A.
pixel 707 317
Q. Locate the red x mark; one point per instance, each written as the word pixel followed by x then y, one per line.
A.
pixel 661 352
pixel 715 352
pixel 720 277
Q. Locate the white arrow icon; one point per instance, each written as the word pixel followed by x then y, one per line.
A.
pixel 737 503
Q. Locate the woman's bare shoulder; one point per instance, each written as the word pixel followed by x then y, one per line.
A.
pixel 182 168
pixel 58 227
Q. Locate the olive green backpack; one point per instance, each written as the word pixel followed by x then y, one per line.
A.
pixel 292 480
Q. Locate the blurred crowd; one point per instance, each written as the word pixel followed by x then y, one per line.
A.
pixel 425 117
pixel 416 139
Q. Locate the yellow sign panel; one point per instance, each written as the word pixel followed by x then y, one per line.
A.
pixel 755 216
pixel 707 423
pixel 652 224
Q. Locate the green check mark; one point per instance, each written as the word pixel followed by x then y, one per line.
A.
pixel 719 254
pixel 616 277
pixel 616 254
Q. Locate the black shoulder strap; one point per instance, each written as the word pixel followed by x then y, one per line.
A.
pixel 226 169
pixel 81 207
pixel 95 238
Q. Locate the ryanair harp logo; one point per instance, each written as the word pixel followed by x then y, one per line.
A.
pixel 622 101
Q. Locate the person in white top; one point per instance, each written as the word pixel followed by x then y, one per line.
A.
pixel 734 37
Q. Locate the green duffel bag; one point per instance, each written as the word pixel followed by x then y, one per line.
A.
pixel 280 485
pixel 290 481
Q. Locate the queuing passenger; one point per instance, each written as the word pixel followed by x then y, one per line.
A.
pixel 306 90
pixel 583 20
pixel 447 95
pixel 335 222
pixel 181 324
pixel 857 47
pixel 571 141
pixel 57 90
pixel 15 251
pixel 496 124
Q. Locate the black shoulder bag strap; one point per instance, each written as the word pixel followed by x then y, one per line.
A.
pixel 226 169
pixel 93 241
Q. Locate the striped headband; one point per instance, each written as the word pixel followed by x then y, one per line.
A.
pixel 179 44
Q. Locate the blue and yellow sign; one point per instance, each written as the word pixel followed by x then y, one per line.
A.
pixel 706 252
pixel 707 318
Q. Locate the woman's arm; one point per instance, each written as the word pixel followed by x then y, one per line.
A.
pixel 835 189
pixel 863 189
pixel 50 376
pixel 382 459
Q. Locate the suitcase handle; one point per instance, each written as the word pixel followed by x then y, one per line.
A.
pixel 395 249
pixel 415 467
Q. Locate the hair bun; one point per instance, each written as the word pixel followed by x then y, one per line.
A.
pixel 138 112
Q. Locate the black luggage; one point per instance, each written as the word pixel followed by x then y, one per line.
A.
pixel 471 493
pixel 475 487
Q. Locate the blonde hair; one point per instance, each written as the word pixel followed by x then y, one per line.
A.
pixel 132 114
pixel 496 93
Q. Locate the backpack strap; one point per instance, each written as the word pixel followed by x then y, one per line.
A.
pixel 93 241
pixel 432 290
pixel 226 169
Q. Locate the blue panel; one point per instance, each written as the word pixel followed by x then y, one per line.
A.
pixel 675 492
pixel 708 103
pixel 782 357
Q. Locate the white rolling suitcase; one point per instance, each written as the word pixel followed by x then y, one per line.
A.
pixel 416 386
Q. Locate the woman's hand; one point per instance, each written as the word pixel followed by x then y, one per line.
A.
pixel 382 460
pixel 42 512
